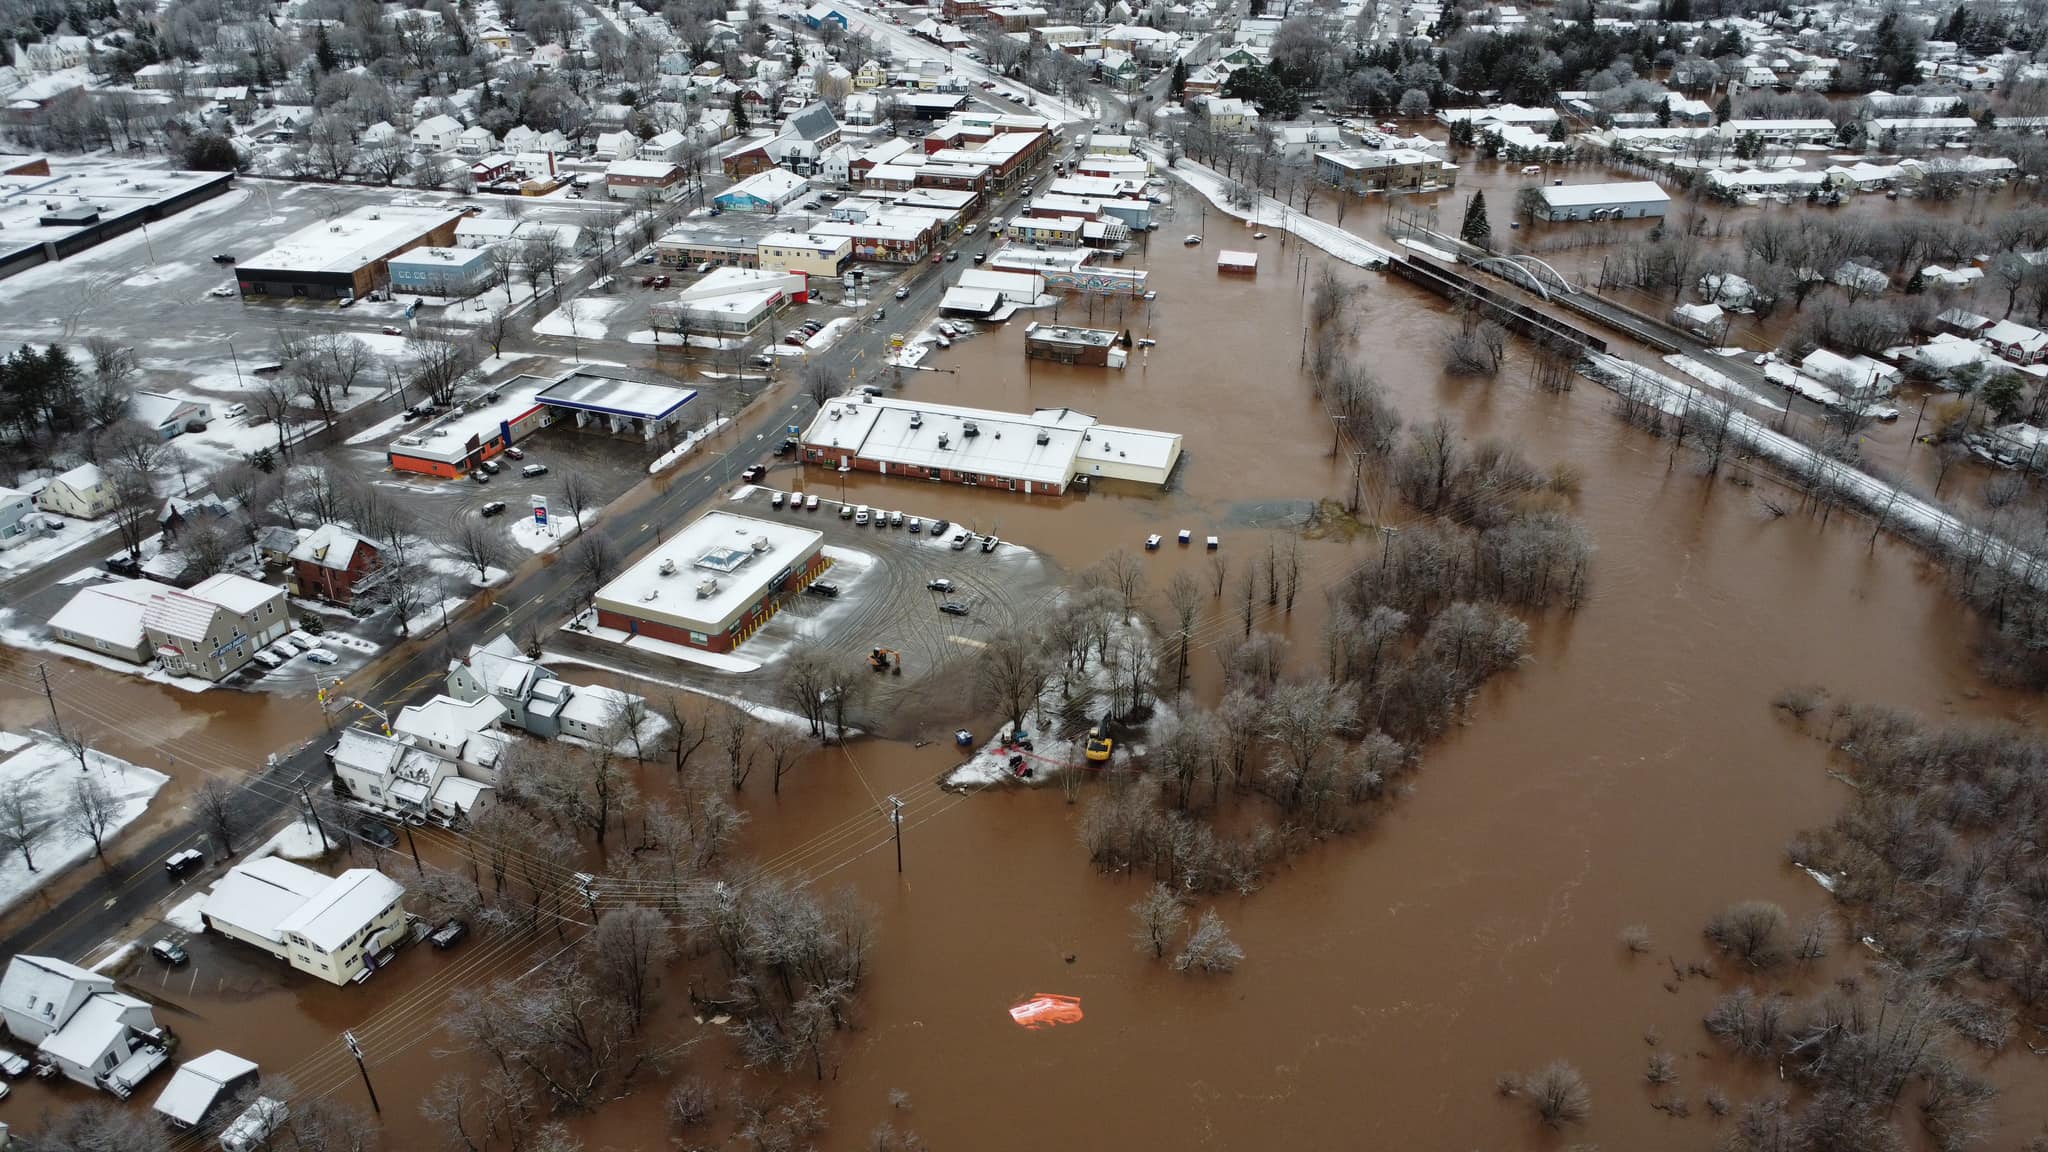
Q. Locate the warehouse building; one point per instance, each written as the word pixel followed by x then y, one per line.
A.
pixel 441 271
pixel 346 259
pixel 48 215
pixel 715 582
pixel 1628 200
pixel 1041 452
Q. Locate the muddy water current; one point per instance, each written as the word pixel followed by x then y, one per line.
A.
pixel 1631 773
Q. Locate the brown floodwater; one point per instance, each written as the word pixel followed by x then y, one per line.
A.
pixel 1632 772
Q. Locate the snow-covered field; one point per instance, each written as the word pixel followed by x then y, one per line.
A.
pixel 49 772
pixel 582 317
pixel 534 538
pixel 1271 213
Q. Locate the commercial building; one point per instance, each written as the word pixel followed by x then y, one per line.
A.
pixel 712 584
pixel 641 409
pixel 460 441
pixel 688 247
pixel 107 618
pixel 807 252
pixel 95 1035
pixel 1627 200
pixel 1065 345
pixel 346 258
pixel 336 928
pixel 885 238
pixel 766 191
pixel 49 215
pixel 643 180
pixel 982 292
pixel 1371 170
pixel 1040 452
pixel 435 271
pixel 209 630
pixel 730 301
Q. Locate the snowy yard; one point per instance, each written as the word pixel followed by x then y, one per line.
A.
pixel 537 538
pixel 49 773
pixel 36 552
pixel 689 444
pixel 1050 755
pixel 582 317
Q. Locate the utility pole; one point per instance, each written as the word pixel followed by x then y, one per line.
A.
pixel 313 812
pixel 417 866
pixel 896 822
pixel 356 1050
pixel 43 672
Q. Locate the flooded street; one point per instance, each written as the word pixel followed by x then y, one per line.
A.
pixel 1631 772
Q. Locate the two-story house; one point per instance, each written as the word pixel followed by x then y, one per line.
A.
pixel 331 562
pixel 215 627
pixel 533 698
pixel 390 775
pixel 337 928
pixel 95 1035
pixel 85 492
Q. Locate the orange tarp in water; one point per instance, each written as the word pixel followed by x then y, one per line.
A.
pixel 1045 1010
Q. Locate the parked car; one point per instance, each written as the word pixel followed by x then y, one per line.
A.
pixel 939 585
pixel 377 832
pixel 953 608
pixel 753 473
pixel 776 501
pixel 493 467
pixel 234 412
pixel 480 476
pixel 320 656
pixel 12 1064
pixel 895 519
pixel 393 330
pixel 516 453
pixel 916 525
pixel 960 540
pixel 795 338
pixel 223 258
pixel 939 529
pixel 989 543
pixel 811 503
pixel 224 291
pixel 762 360
pixel 823 588
pixel 861 515
pixel 287 648
pixel 449 934
pixel 845 510
pixel 494 508
pixel 267 660
pixel 170 952
pixel 532 470
pixel 179 864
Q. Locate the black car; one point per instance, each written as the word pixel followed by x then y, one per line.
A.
pixel 494 508
pixel 170 952
pixel 177 864
pixel 224 258
pixel 822 588
pixel 939 527
pixel 953 608
pixel 449 934
pixel 377 833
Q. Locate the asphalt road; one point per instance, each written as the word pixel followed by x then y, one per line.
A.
pixel 541 593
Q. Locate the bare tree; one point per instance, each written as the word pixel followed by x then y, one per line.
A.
pixel 92 811
pixel 477 544
pixel 504 261
pixel 628 951
pixel 782 748
pixel 1752 931
pixel 1011 674
pixel 1125 573
pixel 1184 597
pixel 1209 947
pixel 577 496
pixel 595 562
pixel 686 733
pixel 213 804
pixel 542 254
pixel 739 738
pixel 96 1126
pixel 401 581
pixel 1558 1094
pixel 23 821
pixel 438 362
pixel 1158 918
pixel 804 685
pixel 113 368
pixel 818 381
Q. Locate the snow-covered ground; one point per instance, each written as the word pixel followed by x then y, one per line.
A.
pixel 1051 755
pixel 762 712
pixel 688 444
pixel 185 913
pixel 1720 381
pixel 49 772
pixel 42 549
pixel 431 617
pixel 534 538
pixel 298 840
pixel 582 317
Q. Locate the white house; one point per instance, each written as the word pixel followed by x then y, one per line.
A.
pixel 335 928
pixel 533 698
pixel 392 776
pixel 476 141
pixel 15 506
pixel 95 1035
pixel 462 730
pixel 168 414
pixel 198 1083
pixel 616 146
pixel 85 492
pixel 436 133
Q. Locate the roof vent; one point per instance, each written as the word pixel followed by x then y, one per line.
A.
pixel 707 587
pixel 917 419
pixel 1044 437
pixel 668 567
pixel 944 441
pixel 761 545
pixel 651 593
pixel 968 428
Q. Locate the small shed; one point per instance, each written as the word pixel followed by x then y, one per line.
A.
pixel 199 1083
pixel 1237 263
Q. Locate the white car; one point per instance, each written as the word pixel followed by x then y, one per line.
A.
pixel 268 659
pixel 810 503
pixel 320 656
pixel 287 648
pixel 970 230
pixel 224 291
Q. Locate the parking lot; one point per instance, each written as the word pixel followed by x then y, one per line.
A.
pixel 882 576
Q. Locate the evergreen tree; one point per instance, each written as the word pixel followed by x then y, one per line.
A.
pixel 1664 112
pixel 1557 131
pixel 1957 27
pixel 323 52
pixel 1724 109
pixel 739 114
pixel 1918 283
pixel 1475 230
pixel 1178 86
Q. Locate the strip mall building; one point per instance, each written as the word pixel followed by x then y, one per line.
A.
pixel 714 583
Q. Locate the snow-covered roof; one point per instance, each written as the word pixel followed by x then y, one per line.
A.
pixel 33 982
pixel 642 169
pixel 343 908
pixel 348 242
pixel 718 565
pixel 771 185
pixel 1596 195
pixel 179 616
pixel 111 611
pixel 198 1082
pixel 258 896
pixel 83 478
pixel 330 546
pixel 92 1030
pixel 447 721
pixel 591 392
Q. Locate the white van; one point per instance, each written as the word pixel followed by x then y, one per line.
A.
pixel 860 514
pixel 253 1128
pixel 235 412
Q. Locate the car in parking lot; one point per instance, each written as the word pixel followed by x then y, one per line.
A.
pixel 494 508
pixel 13 1064
pixel 916 525
pixel 321 656
pixel 223 258
pixel 953 608
pixel 492 466
pixel 480 476
pixel 224 291
pixel 811 503
pixel 939 585
pixel 516 453
pixel 895 519
pixel 532 470
pixel 170 952
pixel 960 540
pixel 794 337
pixel 776 501
pixel 989 543
pixel 939 529
pixel 762 360
pixel 823 588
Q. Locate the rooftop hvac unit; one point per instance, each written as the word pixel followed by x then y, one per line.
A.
pixel 761 546
pixel 943 438
pixel 648 596
pixel 410 441
pixel 707 588
pixel 834 414
pixel 917 419
pixel 968 428
pixel 1044 437
pixel 668 567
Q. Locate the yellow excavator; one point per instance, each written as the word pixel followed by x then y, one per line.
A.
pixel 1097 747
pixel 886 660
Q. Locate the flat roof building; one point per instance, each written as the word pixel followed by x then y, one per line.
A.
pixel 346 258
pixel 435 271
pixel 48 215
pixel 1062 344
pixel 714 582
pixel 456 444
pixel 623 407
pixel 1627 200
pixel 1039 452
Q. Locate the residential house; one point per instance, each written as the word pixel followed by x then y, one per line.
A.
pixel 95 1035
pixel 476 140
pixel 336 928
pixel 465 731
pixel 331 562
pixel 643 180
pixel 2017 342
pixel 168 415
pixel 820 14
pixel 667 147
pixel 870 74
pixel 862 109
pixel 616 146
pixel 436 133
pixel 396 778
pixel 274 546
pixel 15 506
pixel 107 618
pixel 84 492
pixel 1204 81
pixel 1227 115
pixel 533 698
pixel 1298 140
pixel 215 627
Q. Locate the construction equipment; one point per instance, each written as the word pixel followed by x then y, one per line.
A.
pixel 886 660
pixel 1097 747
